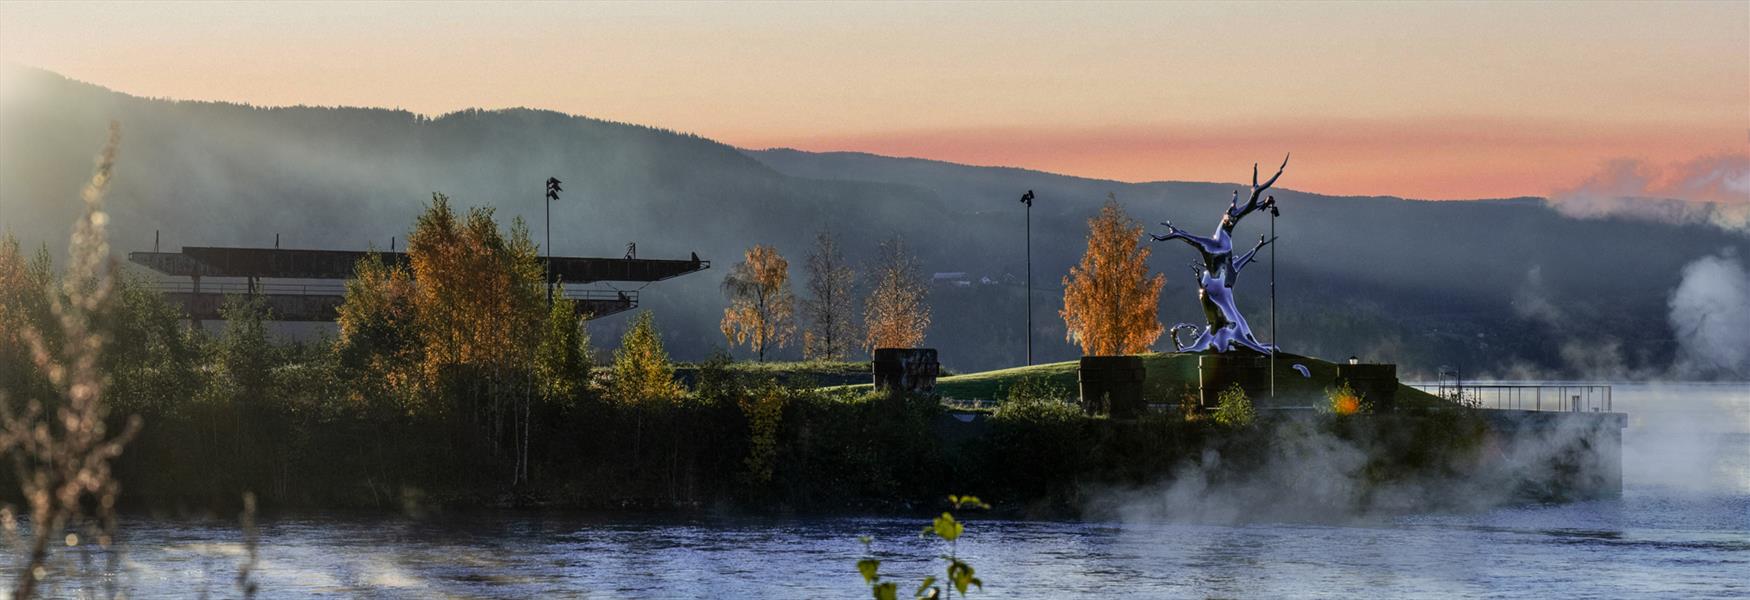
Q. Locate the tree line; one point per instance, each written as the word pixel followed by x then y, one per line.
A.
pixel 1110 303
pixel 762 311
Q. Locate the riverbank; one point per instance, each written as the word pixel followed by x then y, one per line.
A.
pixel 847 453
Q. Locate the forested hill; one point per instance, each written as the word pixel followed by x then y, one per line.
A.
pixel 1487 285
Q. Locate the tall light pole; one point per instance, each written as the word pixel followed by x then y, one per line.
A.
pixel 553 190
pixel 1027 199
pixel 1273 344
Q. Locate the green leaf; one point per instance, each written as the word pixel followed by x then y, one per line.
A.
pixel 960 574
pixel 886 591
pixel 925 587
pixel 946 527
pixel 868 568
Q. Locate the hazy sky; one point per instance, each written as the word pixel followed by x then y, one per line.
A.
pixel 1419 99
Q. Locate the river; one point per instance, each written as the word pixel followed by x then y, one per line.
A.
pixel 1681 529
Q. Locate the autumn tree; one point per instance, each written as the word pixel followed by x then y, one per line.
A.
pixel 562 360
pixel 479 296
pixel 244 351
pixel 761 310
pixel 642 372
pixel 378 345
pixel 479 306
pixel 830 304
pixel 1109 300
pixel 897 311
pixel 24 293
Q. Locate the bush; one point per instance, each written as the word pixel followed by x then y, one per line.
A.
pixel 1234 408
pixel 1344 400
pixel 1036 388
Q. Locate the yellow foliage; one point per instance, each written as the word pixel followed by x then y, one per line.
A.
pixel 1109 301
pixel 376 322
pixel 764 408
pixel 761 308
pixel 480 297
pixel 642 372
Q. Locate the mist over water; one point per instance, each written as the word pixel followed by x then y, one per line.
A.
pixel 1681 529
pixel 1710 315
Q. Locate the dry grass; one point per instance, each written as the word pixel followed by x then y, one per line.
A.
pixel 61 449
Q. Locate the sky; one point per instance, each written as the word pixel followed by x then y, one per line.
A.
pixel 1417 99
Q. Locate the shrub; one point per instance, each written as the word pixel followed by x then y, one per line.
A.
pixel 764 408
pixel 1234 408
pixel 1344 400
pixel 1036 388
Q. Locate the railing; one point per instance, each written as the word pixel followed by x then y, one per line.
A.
pixel 285 289
pixel 1533 396
pixel 339 289
pixel 601 295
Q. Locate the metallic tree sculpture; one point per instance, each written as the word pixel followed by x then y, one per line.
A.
pixel 1218 271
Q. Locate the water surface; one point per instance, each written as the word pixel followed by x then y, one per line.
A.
pixel 1682 529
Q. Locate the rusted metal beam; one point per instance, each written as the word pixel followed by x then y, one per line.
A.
pixel 317 307
pixel 208 261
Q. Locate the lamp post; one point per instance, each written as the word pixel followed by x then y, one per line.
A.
pixel 1273 343
pixel 553 190
pixel 1027 199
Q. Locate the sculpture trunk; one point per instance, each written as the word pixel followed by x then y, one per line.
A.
pixel 1218 272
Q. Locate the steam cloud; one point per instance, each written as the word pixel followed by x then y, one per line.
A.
pixel 1712 190
pixel 1710 315
pixel 1310 475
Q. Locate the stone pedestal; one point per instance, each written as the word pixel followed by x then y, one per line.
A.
pixel 1217 372
pixel 1113 385
pixel 906 369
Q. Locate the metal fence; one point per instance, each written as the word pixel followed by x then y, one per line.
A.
pixel 1533 396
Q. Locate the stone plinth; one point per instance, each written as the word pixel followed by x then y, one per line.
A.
pixel 1113 385
pixel 906 369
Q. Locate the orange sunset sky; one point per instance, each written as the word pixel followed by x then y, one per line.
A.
pixel 1419 99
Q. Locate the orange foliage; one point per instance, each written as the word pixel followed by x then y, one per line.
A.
pixel 1109 301
pixel 897 312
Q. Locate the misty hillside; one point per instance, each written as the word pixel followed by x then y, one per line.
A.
pixel 1502 286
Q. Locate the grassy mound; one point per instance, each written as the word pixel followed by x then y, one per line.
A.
pixel 1171 376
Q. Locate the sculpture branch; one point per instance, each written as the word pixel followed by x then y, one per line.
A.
pixel 1217 272
pixel 1237 212
pixel 1202 244
pixel 1246 258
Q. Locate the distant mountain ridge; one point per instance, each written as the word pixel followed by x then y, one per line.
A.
pixel 1421 283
